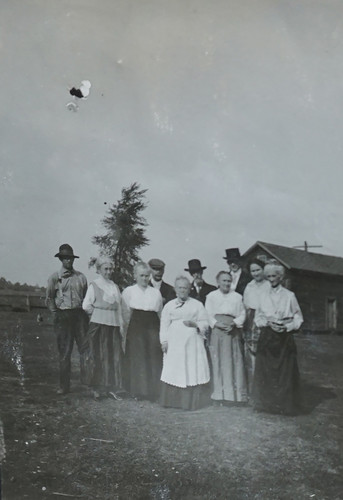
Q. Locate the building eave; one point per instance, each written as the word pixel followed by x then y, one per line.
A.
pixel 266 249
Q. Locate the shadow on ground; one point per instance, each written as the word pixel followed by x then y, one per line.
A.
pixel 313 395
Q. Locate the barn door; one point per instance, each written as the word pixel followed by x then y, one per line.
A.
pixel 331 314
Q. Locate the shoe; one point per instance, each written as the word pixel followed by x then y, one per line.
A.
pixel 114 396
pixel 217 403
pixel 61 392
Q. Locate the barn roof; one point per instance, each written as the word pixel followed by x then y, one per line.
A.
pixel 302 260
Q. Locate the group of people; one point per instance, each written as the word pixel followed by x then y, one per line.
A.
pixel 184 345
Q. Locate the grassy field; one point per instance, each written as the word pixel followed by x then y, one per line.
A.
pixel 72 446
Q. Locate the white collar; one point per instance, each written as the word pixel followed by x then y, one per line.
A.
pixel 156 284
pixel 197 286
pixel 179 302
pixel 259 283
pixel 236 272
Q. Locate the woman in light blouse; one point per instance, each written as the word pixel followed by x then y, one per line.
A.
pixel 103 304
pixel 143 355
pixel 251 300
pixel 276 379
pixel 227 315
pixel 185 373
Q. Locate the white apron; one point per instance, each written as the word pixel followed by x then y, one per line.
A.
pixel 185 363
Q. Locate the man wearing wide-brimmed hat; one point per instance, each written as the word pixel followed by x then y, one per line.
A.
pixel 64 296
pixel 199 288
pixel 157 267
pixel 240 278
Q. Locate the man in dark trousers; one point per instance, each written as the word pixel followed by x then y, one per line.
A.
pixel 157 267
pixel 64 296
pixel 199 288
pixel 240 278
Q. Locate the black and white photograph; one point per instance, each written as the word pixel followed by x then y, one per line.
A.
pixel 171 281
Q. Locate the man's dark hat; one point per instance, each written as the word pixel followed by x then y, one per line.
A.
pixel 194 265
pixel 156 264
pixel 232 254
pixel 66 250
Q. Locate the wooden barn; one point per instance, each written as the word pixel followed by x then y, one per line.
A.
pixel 317 281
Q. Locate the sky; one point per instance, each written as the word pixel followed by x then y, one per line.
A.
pixel 229 114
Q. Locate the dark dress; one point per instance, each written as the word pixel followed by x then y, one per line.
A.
pixel 143 355
pixel 188 398
pixel 276 387
pixel 106 356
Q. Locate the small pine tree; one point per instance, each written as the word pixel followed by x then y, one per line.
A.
pixel 125 228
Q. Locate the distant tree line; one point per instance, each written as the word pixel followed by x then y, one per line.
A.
pixel 23 287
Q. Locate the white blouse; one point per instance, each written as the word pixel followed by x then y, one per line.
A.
pixel 253 292
pixel 279 304
pixel 190 310
pixel 111 317
pixel 144 299
pixel 231 303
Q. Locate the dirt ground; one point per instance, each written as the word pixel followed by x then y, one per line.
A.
pixel 74 447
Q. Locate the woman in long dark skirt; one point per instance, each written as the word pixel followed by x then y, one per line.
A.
pixel 276 381
pixel 143 354
pixel 103 303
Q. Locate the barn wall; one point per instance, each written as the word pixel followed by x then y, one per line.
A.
pixel 313 292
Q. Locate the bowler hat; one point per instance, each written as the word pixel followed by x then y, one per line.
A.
pixel 232 254
pixel 194 265
pixel 156 264
pixel 66 250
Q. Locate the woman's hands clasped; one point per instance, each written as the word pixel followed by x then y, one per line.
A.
pixel 276 326
pixel 222 326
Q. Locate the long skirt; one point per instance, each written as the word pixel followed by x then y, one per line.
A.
pixel 229 381
pixel 276 386
pixel 143 355
pixel 106 356
pixel 251 336
pixel 188 398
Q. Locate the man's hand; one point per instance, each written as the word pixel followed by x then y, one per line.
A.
pixel 164 347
